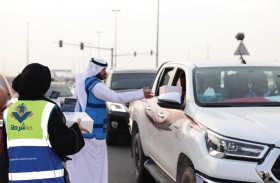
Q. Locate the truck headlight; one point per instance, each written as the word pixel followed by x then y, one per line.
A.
pixel 222 147
pixel 117 107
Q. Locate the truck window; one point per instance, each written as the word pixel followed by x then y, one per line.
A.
pixel 180 80
pixel 165 78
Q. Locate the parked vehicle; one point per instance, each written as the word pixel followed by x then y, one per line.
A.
pixel 10 81
pixel 4 83
pixel 61 91
pixel 117 114
pixel 209 123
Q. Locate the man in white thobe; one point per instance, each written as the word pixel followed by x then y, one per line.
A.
pixel 90 165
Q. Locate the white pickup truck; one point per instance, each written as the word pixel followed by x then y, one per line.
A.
pixel 209 123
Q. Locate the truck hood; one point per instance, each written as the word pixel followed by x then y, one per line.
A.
pixel 258 124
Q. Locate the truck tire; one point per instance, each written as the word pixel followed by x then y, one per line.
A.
pixel 186 173
pixel 142 175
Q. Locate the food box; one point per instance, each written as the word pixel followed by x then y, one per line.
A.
pixel 86 121
pixel 168 89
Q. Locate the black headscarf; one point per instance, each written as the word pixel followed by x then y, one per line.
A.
pixel 34 82
pixel 15 82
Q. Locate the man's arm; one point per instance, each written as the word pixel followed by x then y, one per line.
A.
pixel 102 92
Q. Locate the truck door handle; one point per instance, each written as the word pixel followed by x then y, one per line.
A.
pixel 160 114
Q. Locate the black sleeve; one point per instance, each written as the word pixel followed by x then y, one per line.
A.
pixel 65 141
pixel 4 161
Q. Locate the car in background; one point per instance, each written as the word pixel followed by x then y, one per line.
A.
pixel 10 81
pixel 64 76
pixel 59 91
pixel 117 114
pixel 4 82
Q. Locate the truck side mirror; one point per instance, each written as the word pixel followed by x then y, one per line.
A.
pixel 170 100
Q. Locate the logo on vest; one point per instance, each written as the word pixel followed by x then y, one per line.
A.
pixel 20 115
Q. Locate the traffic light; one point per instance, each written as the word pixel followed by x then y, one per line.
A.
pixel 135 53
pixel 60 43
pixel 151 52
pixel 82 46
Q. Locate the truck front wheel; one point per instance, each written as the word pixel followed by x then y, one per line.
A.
pixel 186 172
pixel 142 175
pixel 188 175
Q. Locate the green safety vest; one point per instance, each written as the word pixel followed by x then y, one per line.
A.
pixel 31 156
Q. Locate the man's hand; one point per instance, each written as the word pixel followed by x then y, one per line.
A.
pixel 80 126
pixel 148 93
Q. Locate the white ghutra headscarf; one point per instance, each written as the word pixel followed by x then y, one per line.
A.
pixel 95 66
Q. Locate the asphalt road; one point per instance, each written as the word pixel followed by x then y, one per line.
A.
pixel 120 162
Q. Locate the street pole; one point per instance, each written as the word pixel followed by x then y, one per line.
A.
pixel 116 11
pixel 208 52
pixel 89 52
pixel 112 57
pixel 27 44
pixel 98 41
pixel 89 46
pixel 157 34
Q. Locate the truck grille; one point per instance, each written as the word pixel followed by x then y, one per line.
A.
pixel 276 168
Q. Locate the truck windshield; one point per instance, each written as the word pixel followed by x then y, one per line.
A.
pixel 237 86
pixel 122 81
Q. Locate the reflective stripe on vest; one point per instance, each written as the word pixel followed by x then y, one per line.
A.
pixel 36 175
pixel 27 142
pixel 45 118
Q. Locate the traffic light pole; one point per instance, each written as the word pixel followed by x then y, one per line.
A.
pixel 135 54
pixel 127 54
pixel 82 46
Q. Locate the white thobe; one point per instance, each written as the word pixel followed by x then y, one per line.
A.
pixel 90 165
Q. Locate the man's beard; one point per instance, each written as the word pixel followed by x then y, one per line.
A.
pixel 100 77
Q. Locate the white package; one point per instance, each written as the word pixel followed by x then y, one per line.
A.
pixel 86 121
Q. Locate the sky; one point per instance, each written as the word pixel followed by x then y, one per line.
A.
pixel 189 31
